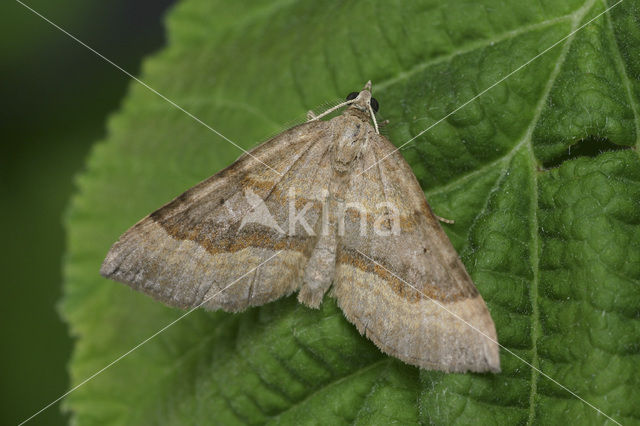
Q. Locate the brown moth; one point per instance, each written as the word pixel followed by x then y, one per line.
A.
pixel 318 196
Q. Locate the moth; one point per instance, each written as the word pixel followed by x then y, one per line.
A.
pixel 328 206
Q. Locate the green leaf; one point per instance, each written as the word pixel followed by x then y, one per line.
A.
pixel 541 174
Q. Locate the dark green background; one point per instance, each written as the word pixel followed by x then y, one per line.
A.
pixel 56 96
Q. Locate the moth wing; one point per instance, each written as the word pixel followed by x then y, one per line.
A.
pixel 442 321
pixel 220 231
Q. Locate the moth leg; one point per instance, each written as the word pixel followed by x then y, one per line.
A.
pixel 442 219
pixel 383 123
pixel 311 115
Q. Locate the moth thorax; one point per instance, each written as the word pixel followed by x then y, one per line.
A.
pixel 351 135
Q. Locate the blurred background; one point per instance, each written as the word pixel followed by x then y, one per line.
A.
pixel 56 96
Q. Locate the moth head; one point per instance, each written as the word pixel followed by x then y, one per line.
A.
pixel 363 100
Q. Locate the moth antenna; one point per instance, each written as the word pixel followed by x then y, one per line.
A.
pixel 309 116
pixel 373 117
pixel 322 107
pixel 330 110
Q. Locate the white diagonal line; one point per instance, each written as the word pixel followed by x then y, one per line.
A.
pixel 492 86
pixel 148 87
pixel 145 341
pixel 440 305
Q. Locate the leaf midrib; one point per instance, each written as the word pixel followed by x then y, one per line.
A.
pixel 535 240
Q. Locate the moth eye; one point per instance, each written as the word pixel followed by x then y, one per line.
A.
pixel 352 95
pixel 374 104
